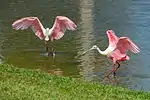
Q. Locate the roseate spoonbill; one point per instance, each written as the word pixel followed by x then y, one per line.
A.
pixel 117 50
pixel 56 32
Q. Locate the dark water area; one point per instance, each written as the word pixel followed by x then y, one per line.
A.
pixel 93 17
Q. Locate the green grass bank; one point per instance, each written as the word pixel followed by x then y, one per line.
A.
pixel 26 84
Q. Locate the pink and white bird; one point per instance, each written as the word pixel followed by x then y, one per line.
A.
pixel 117 50
pixel 56 32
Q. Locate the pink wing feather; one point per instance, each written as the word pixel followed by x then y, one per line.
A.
pixel 61 24
pixel 32 22
pixel 113 39
pixel 124 44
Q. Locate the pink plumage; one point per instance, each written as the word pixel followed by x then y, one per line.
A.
pixel 32 22
pixel 121 45
pixel 61 24
pixel 113 39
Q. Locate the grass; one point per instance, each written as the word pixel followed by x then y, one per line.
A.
pixel 26 84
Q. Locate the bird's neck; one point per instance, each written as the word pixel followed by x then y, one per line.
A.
pixel 107 52
pixel 47 33
pixel 100 51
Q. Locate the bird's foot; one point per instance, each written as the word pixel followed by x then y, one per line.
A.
pixel 116 82
pixel 53 54
pixel 47 54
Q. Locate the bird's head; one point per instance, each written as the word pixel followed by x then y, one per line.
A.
pixel 93 47
pixel 47 29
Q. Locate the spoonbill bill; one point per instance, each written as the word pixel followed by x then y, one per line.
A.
pixel 117 50
pixel 56 32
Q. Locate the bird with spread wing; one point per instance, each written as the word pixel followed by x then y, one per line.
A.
pixel 117 50
pixel 56 32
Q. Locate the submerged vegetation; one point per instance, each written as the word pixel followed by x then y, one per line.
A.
pixel 26 84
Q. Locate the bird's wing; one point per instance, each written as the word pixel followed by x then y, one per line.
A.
pixel 61 24
pixel 124 44
pixel 32 22
pixel 113 39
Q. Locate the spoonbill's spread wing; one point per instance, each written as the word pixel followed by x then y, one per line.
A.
pixel 113 39
pixel 124 44
pixel 61 24
pixel 32 22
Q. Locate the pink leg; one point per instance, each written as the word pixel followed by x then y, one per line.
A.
pixel 116 81
pixel 113 68
pixel 53 54
pixel 116 68
pixel 46 46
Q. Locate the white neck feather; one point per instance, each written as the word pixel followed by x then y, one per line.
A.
pixel 107 52
pixel 100 51
pixel 47 32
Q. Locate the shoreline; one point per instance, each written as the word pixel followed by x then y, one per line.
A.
pixel 28 84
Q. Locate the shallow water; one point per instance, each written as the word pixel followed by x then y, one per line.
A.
pixel 93 17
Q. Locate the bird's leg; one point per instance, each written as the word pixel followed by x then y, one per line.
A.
pixel 116 69
pixel 53 53
pixel 118 66
pixel 110 81
pixel 113 69
pixel 116 81
pixel 46 47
